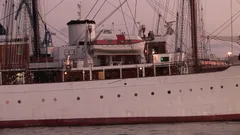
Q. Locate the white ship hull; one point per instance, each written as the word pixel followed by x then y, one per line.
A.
pixel 184 98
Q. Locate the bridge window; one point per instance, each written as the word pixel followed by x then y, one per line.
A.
pixel 107 32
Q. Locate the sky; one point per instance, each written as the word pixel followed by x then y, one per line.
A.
pixel 216 12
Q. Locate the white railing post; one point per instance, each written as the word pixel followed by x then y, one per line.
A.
pixel 138 72
pixel 83 72
pixel 143 71
pixel 121 74
pixel 90 72
pixel 63 76
pixel 169 66
pixel 154 69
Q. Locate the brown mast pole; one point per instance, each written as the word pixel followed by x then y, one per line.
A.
pixel 193 6
pixel 36 28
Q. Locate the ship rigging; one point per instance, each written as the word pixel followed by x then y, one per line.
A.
pixel 48 63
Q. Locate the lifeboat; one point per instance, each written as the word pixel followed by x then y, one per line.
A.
pixel 111 44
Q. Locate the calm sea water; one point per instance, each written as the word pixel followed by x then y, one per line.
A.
pixel 165 129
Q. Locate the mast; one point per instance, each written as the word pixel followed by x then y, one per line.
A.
pixel 36 29
pixel 193 6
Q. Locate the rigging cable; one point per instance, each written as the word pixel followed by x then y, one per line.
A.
pixel 225 26
pixel 49 13
pixel 51 27
pixel 54 8
pixel 99 9
pixel 188 22
pixel 119 10
pixel 124 19
pixel 134 18
pixel 91 9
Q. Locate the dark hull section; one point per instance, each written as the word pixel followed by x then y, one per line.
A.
pixel 116 121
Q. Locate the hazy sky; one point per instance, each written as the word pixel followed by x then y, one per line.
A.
pixel 216 12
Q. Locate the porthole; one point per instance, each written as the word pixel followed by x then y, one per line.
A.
pixel 118 95
pixel 78 98
pixel 19 101
pixel 169 92
pixel 152 93
pixel 236 85
pixel 211 88
pixel 191 90
pixel 101 97
pixel 125 83
pixel 201 89
pixel 221 87
pixel 43 100
pixel 135 94
pixel 7 102
pixel 55 100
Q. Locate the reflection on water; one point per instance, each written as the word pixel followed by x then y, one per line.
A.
pixel 228 128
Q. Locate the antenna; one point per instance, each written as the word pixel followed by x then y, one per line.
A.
pixel 231 6
pixel 113 26
pixel 80 10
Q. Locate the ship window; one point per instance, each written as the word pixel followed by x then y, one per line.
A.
pixel 236 85
pixel 201 89
pixel 118 95
pixel 7 102
pixel 107 32
pixel 101 96
pixel 135 94
pixel 19 101
pixel 169 92
pixel 125 83
pixel 152 93
pixel 221 87
pixel 55 100
pixel 191 90
pixel 78 98
pixel 211 88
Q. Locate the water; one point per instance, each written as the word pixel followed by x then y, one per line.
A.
pixel 162 129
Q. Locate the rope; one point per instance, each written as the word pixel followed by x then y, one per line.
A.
pixel 54 8
pixel 91 9
pixel 99 9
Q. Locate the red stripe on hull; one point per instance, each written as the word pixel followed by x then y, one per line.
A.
pixel 116 121
pixel 116 42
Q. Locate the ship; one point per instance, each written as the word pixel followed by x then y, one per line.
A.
pixel 106 78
